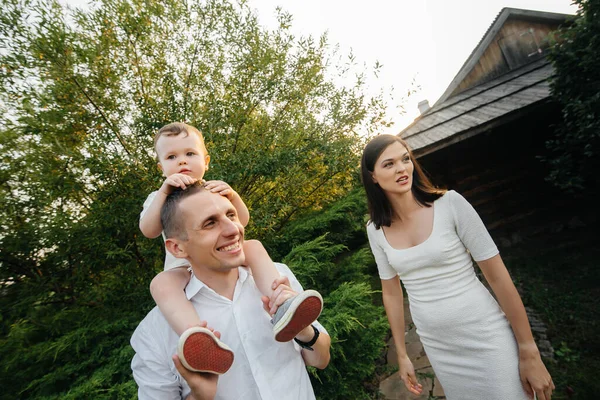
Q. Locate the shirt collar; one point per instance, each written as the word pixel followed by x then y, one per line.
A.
pixel 195 284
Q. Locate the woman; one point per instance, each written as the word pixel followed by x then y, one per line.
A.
pixel 427 237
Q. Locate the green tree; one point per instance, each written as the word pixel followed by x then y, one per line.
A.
pixel 82 93
pixel 574 150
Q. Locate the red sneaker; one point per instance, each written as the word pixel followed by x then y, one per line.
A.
pixel 296 314
pixel 201 351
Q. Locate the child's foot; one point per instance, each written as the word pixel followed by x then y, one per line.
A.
pixel 201 351
pixel 296 314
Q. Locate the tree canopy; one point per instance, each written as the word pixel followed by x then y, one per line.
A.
pixel 82 93
pixel 574 159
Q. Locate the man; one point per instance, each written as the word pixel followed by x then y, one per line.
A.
pixel 203 227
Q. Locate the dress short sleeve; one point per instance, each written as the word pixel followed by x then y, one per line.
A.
pixel 375 241
pixel 470 228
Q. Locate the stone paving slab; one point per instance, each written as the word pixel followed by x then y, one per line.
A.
pixel 393 389
pixel 421 362
pixel 438 391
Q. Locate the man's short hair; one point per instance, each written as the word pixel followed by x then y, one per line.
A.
pixel 176 128
pixel 171 218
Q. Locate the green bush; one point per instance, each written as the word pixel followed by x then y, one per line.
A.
pixel 574 149
pixel 343 222
pixel 358 328
pixel 81 94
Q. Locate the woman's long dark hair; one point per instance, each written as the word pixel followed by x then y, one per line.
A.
pixel 380 209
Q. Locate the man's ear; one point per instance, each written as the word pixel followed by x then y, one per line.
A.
pixel 176 247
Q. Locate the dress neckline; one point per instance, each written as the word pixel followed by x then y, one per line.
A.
pixel 433 205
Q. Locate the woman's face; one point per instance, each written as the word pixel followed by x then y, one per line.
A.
pixel 393 170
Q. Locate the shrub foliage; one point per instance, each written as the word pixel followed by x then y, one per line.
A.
pixel 574 158
pixel 81 94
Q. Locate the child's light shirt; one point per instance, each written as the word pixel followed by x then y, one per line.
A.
pixel 170 260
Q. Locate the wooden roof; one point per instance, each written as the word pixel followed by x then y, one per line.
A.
pixel 490 35
pixel 475 110
pixel 458 115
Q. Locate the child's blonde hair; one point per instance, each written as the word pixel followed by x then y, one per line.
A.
pixel 176 128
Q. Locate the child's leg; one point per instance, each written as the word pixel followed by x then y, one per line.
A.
pixel 295 313
pixel 198 349
pixel 261 265
pixel 167 289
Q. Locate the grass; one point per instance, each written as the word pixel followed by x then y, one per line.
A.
pixel 560 279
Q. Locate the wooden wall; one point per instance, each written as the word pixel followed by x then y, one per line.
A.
pixel 500 174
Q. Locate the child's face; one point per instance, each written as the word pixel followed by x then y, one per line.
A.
pixel 183 154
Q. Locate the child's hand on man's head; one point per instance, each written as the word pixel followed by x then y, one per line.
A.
pixel 176 180
pixel 226 191
pixel 220 187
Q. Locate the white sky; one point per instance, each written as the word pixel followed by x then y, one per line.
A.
pixel 424 40
pixel 428 40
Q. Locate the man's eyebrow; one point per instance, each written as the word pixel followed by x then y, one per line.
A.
pixel 215 216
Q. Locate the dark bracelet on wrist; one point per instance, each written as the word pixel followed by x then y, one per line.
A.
pixel 308 345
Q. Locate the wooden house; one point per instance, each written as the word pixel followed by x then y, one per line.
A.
pixel 485 135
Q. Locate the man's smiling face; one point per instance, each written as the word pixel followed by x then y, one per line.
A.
pixel 215 235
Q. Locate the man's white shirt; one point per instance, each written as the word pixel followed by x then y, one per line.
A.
pixel 262 369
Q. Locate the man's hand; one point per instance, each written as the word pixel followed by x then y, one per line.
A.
pixel 176 180
pixel 203 386
pixel 282 291
pixel 320 356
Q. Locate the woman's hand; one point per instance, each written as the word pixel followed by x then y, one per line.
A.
pixel 534 375
pixel 408 376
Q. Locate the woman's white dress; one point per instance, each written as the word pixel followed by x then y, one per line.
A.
pixel 466 336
